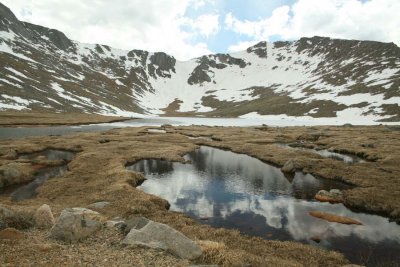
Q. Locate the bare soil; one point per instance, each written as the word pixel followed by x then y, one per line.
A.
pixel 98 173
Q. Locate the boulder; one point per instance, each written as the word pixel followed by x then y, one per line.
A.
pixel 99 205
pixel 289 167
pixel 334 218
pixel 333 196
pixel 75 224
pixel 44 217
pixel 11 234
pixel 155 235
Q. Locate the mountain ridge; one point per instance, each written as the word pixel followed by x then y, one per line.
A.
pixel 44 70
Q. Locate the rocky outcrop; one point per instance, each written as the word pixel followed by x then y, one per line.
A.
pixel 155 235
pixel 334 218
pixel 75 224
pixel 99 205
pixel 44 217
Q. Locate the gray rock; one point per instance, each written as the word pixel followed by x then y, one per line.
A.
pixel 118 223
pixel 44 217
pixel 160 236
pixel 99 205
pixel 289 166
pixel 76 224
pixel 6 213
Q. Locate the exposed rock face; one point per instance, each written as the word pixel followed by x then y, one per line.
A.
pixel 44 217
pixel 333 196
pixel 76 224
pixel 160 236
pixel 259 49
pixel 289 167
pixel 334 218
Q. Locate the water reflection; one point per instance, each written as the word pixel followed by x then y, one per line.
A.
pixel 236 191
pixel 351 159
pixel 27 191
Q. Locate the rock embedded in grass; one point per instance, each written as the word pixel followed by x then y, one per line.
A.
pixel 75 224
pixel 155 235
pixel 44 217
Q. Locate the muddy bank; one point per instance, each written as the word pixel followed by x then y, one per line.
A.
pixel 10 118
pixel 97 173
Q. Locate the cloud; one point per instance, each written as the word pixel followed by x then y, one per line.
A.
pixel 351 19
pixel 240 46
pixel 154 25
pixel 207 24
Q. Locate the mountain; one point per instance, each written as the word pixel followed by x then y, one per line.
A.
pixel 42 69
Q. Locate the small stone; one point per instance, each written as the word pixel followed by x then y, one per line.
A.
pixel 11 234
pixel 289 166
pixel 44 217
pixel 99 205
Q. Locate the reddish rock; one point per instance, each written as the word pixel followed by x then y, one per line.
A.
pixel 333 218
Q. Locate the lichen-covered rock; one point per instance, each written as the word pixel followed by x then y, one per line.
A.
pixel 151 234
pixel 75 224
pixel 44 217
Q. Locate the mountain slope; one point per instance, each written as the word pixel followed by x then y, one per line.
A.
pixel 41 69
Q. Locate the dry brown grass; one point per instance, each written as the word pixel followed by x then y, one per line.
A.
pixel 12 118
pixel 98 173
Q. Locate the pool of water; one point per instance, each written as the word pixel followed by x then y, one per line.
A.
pixel 28 190
pixel 231 190
pixel 350 159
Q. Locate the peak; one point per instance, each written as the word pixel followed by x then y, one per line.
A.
pixel 6 13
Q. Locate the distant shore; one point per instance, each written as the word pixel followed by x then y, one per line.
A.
pixel 26 119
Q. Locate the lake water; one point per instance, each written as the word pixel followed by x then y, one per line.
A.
pixel 351 159
pixel 230 190
pixel 20 132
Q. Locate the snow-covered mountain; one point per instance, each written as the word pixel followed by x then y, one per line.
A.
pixel 41 69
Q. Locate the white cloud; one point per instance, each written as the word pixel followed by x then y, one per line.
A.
pixel 351 19
pixel 153 25
pixel 207 24
pixel 241 46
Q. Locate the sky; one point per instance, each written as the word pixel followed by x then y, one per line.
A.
pixel 191 28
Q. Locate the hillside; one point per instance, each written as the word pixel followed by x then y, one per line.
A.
pixel 43 70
